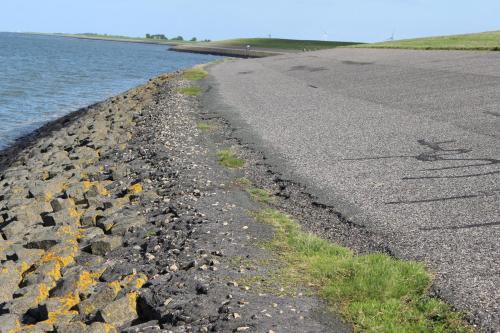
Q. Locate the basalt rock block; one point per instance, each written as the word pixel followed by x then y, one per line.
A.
pixel 9 323
pixel 104 244
pixel 121 311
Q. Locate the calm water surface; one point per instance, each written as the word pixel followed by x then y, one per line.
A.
pixel 45 77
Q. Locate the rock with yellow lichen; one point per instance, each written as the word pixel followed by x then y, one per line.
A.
pixel 27 298
pixel 123 224
pixel 99 299
pixel 9 323
pixel 98 327
pixel 10 277
pixel 71 327
pixel 101 245
pixel 121 311
pixel 76 280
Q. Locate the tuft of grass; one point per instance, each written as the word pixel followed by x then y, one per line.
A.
pixel 229 159
pixel 243 182
pixel 375 292
pixel 190 91
pixel 479 41
pixel 205 127
pixel 195 74
pixel 260 195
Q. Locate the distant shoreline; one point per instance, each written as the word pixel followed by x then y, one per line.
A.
pixel 110 39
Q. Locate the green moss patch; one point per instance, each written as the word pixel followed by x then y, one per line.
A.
pixel 229 159
pixel 375 292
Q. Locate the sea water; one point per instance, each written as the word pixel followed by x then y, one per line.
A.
pixel 45 77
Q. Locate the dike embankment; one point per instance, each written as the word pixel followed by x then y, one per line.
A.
pixel 228 51
pixel 119 218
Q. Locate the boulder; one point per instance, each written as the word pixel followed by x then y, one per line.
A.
pixel 103 244
pixel 121 311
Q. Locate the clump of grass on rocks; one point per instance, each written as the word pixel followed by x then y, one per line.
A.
pixel 375 292
pixel 190 91
pixel 205 127
pixel 195 74
pixel 229 159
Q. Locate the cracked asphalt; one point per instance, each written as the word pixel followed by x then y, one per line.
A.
pixel 404 143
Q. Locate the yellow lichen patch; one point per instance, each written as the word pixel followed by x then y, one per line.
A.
pixel 108 328
pixel 74 213
pixel 55 272
pixel 68 230
pixel 17 327
pixel 43 293
pixel 87 279
pixel 68 301
pixel 135 189
pixel 23 267
pixel 115 286
pixel 65 304
pixel 62 260
pixel 63 186
pixel 48 196
pixel 100 187
pixel 134 280
pixel 87 184
pixel 132 300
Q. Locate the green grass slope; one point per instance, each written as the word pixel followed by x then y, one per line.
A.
pixel 477 41
pixel 278 43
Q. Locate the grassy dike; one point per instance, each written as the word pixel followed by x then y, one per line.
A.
pixel 485 41
pixel 278 43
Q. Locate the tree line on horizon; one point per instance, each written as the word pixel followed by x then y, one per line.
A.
pixel 178 38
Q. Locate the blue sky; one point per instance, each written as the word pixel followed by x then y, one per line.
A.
pixel 353 20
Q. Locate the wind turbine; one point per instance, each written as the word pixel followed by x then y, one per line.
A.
pixel 325 34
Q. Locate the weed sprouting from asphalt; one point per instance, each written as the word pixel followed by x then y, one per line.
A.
pixel 229 159
pixel 375 292
pixel 260 195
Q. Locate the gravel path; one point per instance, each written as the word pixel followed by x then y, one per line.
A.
pixel 119 218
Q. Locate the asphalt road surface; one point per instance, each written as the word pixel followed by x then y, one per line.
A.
pixel 406 143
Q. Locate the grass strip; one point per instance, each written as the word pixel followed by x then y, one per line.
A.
pixel 190 91
pixel 260 195
pixel 195 74
pixel 375 292
pixel 229 159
